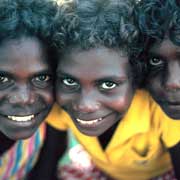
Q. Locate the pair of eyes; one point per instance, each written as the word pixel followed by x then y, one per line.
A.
pixel 40 79
pixel 105 85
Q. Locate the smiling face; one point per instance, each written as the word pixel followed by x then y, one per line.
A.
pixel 94 87
pixel 26 93
pixel 164 77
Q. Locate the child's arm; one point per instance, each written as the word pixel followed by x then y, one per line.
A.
pixel 175 157
pixel 53 148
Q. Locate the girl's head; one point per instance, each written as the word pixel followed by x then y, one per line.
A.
pixel 94 75
pixel 159 21
pixel 26 81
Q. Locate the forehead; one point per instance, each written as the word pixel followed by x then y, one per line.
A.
pixel 102 60
pixel 166 48
pixel 22 54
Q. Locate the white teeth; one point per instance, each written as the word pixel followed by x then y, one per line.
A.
pixel 88 122
pixel 21 118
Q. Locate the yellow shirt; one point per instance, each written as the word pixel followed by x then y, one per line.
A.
pixel 137 150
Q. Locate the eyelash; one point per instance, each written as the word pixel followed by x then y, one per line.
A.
pixel 74 85
pixel 42 78
pixel 64 83
pixel 160 63
pixel 3 79
pixel 100 85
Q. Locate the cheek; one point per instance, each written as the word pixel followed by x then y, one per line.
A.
pixel 123 99
pixel 63 99
pixel 4 95
pixel 123 103
pixel 154 85
pixel 48 96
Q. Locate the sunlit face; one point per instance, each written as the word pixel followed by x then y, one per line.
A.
pixel 26 94
pixel 94 87
pixel 164 77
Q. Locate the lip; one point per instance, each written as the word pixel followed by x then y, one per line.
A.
pixel 24 120
pixel 22 129
pixel 171 105
pixel 174 106
pixel 91 122
pixel 21 118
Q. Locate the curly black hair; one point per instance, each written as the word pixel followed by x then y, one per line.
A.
pixel 89 24
pixel 159 18
pixel 28 18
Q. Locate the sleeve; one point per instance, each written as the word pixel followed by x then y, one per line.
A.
pixel 58 118
pixel 168 129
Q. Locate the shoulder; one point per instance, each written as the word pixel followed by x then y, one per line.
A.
pixel 58 118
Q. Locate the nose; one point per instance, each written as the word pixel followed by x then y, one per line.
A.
pixel 173 77
pixel 22 95
pixel 86 103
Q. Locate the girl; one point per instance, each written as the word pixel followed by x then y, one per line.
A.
pixel 159 22
pixel 26 83
pixel 121 128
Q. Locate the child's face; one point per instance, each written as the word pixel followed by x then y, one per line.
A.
pixel 95 88
pixel 25 87
pixel 164 78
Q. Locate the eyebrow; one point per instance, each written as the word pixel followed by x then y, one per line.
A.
pixel 150 53
pixel 112 78
pixel 7 73
pixel 107 78
pixel 43 72
pixel 62 74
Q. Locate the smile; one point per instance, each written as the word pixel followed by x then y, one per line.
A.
pixel 21 118
pixel 89 122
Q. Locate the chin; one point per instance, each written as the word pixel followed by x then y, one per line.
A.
pixel 174 116
pixel 171 114
pixel 20 135
pixel 87 133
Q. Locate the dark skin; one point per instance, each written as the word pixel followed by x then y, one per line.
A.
pixel 95 88
pixel 164 85
pixel 26 93
pixel 164 77
pixel 26 88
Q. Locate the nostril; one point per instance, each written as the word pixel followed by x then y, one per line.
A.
pixel 86 108
pixel 21 99
pixel 74 106
pixel 172 87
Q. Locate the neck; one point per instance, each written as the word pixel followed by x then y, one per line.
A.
pixel 105 138
pixel 6 143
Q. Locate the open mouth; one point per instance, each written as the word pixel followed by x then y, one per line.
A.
pixel 21 118
pixel 26 118
pixel 173 103
pixel 91 121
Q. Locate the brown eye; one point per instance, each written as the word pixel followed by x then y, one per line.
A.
pixel 108 85
pixel 5 82
pixel 42 78
pixel 69 82
pixel 156 61
pixel 3 79
pixel 41 81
